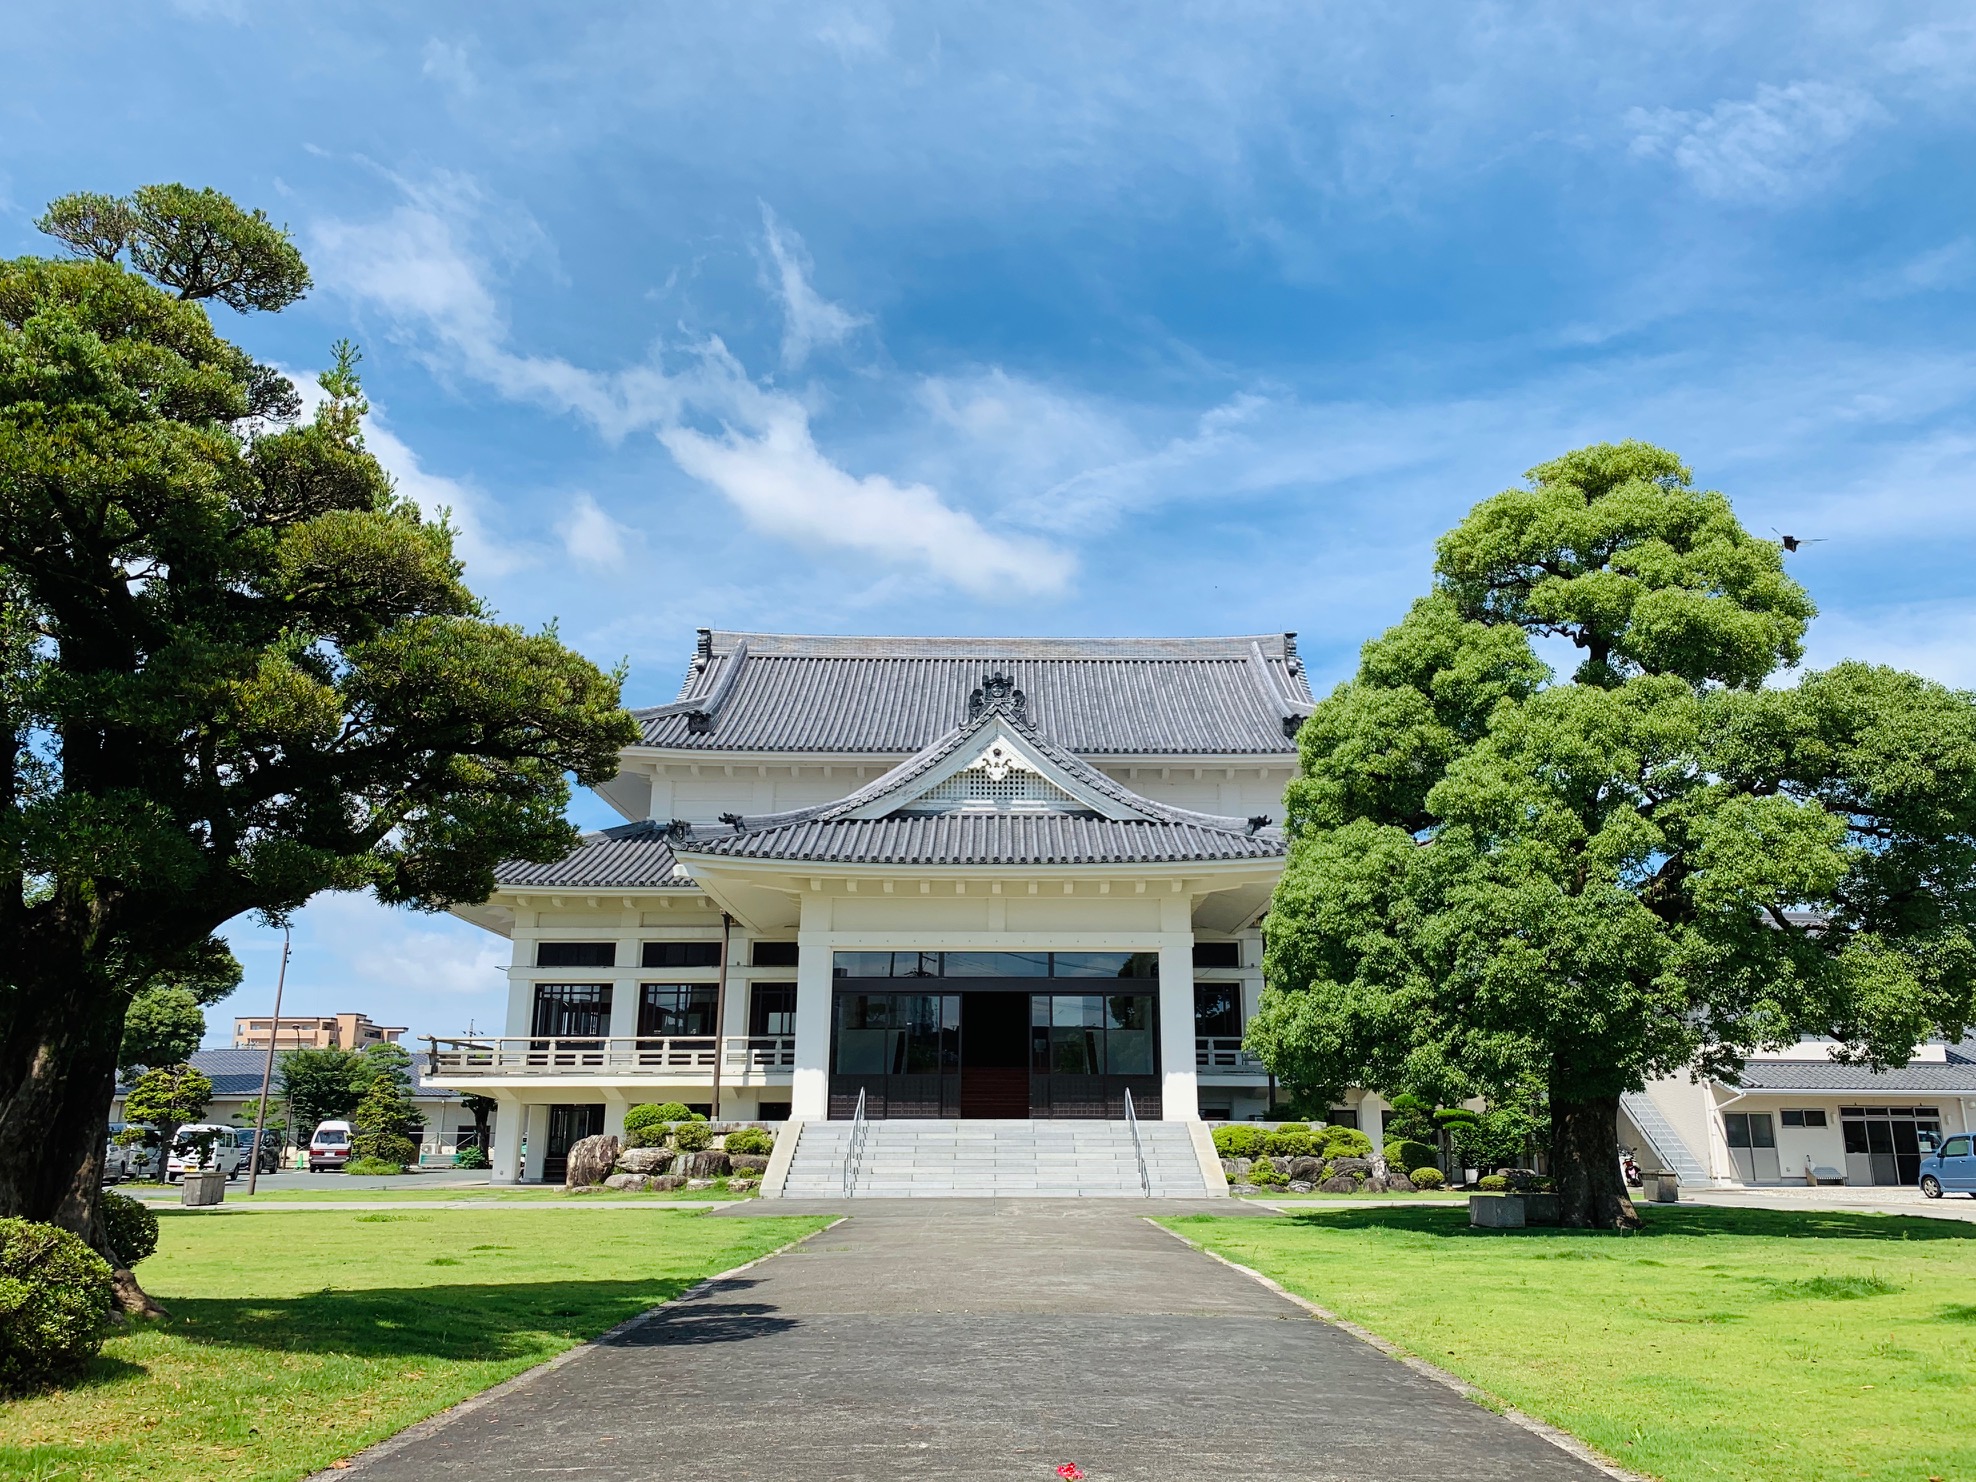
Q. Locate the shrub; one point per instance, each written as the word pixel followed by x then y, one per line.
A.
pixel 131 1227
pixel 1428 1178
pixel 1409 1155
pixel 1495 1183
pixel 750 1140
pixel 55 1303
pixel 691 1137
pixel 1346 1142
pixel 1291 1141
pixel 645 1125
pixel 1241 1140
pixel 471 1157
pixel 1263 1173
pixel 1293 1126
pixel 378 1166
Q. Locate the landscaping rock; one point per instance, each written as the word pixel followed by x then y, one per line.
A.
pixel 590 1161
pixel 665 1181
pixel 1342 1183
pixel 1300 1186
pixel 1243 1189
pixel 629 1182
pixel 748 1162
pixel 699 1183
pixel 1236 1167
pixel 1392 1181
pixel 1305 1170
pixel 1350 1165
pixel 643 1160
pixel 709 1164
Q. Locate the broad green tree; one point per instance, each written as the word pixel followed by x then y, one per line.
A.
pixel 236 668
pixel 319 1085
pixel 383 1121
pixel 166 1020
pixel 1656 866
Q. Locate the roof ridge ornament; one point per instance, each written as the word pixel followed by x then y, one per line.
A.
pixel 998 692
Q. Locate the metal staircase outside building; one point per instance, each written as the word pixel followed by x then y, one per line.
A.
pixel 1667 1144
pixel 962 1159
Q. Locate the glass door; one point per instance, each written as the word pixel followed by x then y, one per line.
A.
pixel 1753 1146
pixel 902 1050
pixel 1088 1049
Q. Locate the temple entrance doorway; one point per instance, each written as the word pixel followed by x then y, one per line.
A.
pixel 994 1055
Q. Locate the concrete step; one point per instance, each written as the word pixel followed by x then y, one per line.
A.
pixel 952 1159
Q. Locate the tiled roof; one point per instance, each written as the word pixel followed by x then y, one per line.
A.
pixel 990 838
pixel 1094 696
pixel 632 854
pixel 1153 832
pixel 1958 1074
pixel 237 1073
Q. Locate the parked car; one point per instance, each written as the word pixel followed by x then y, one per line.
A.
pixel 134 1159
pixel 329 1146
pixel 205 1145
pixel 271 1146
pixel 1950 1167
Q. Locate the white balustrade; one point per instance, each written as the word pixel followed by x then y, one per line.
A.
pixel 1221 1055
pixel 744 1059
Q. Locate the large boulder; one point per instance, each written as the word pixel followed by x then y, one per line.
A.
pixel 643 1160
pixel 631 1183
pixel 1236 1168
pixel 590 1162
pixel 1392 1181
pixel 752 1163
pixel 1300 1186
pixel 711 1163
pixel 1305 1170
pixel 1350 1165
pixel 1342 1183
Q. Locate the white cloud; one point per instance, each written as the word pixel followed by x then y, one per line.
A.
pixel 418 265
pixel 1937 639
pixel 447 65
pixel 593 538
pixel 809 319
pixel 1771 146
pixel 1949 266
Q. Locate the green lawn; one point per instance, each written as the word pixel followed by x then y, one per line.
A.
pixel 1715 1344
pixel 410 1190
pixel 298 1338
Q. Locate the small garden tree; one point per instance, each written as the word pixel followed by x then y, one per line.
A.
pixel 1659 865
pixel 381 1119
pixel 319 1085
pixel 168 1098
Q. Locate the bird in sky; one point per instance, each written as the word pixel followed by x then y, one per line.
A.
pixel 1792 542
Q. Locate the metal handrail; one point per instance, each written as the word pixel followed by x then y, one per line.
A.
pixel 854 1152
pixel 1132 1125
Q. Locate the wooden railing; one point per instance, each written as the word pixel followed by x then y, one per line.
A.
pixel 1216 1053
pixel 745 1058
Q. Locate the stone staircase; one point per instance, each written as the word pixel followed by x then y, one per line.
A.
pixel 1674 1152
pixel 951 1159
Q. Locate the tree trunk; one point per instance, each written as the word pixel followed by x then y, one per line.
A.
pixel 1585 1165
pixel 59 1034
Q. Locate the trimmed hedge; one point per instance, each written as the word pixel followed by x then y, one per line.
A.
pixel 1495 1183
pixel 1291 1140
pixel 1240 1140
pixel 55 1305
pixel 1429 1178
pixel 131 1226
pixel 1346 1142
pixel 749 1140
pixel 1410 1155
pixel 692 1137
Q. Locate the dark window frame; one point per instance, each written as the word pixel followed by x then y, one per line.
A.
pixel 774 954
pixel 691 1003
pixel 577 1011
pixel 763 1004
pixel 679 955
pixel 576 954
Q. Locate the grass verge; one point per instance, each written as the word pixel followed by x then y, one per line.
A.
pixel 296 1339
pixel 1714 1344
pixel 373 1191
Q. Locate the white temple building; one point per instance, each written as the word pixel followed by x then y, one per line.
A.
pixel 963 877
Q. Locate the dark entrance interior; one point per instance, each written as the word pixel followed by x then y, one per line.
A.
pixel 568 1125
pixel 994 1055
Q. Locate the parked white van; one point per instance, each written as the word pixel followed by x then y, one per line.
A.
pixel 329 1146
pixel 225 1152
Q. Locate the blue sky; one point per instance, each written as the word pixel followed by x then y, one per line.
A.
pixel 1063 319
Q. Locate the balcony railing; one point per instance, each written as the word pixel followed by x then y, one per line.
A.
pixel 743 1058
pixel 1225 1056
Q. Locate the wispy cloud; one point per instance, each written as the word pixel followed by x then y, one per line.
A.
pixel 420 265
pixel 1772 146
pixel 593 538
pixel 809 319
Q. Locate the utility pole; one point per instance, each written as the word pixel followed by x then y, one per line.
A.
pixel 720 1005
pixel 267 1068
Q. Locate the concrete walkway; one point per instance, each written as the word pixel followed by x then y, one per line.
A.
pixel 978 1339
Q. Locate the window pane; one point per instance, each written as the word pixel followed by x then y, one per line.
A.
pixel 863 965
pixel 1129 1011
pixel 1760 1132
pixel 998 964
pixel 1792 1118
pixel 1217 954
pixel 572 1010
pixel 1073 1051
pixel 681 954
pixel 1218 1009
pixel 1855 1136
pixel 775 954
pixel 1106 964
pixel 772 1008
pixel 1880 1137
pixel 1814 1117
pixel 1736 1125
pixel 677 1008
pixel 1078 1010
pixel 576 954
pixel 1129 1052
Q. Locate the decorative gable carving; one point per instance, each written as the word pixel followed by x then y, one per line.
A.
pixel 998 692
